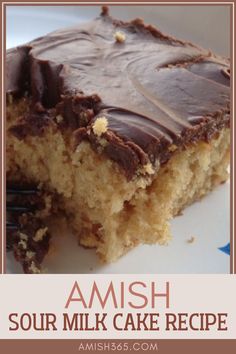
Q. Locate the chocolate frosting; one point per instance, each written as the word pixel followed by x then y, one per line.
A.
pixel 154 90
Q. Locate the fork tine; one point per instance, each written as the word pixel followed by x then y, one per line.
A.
pixel 11 208
pixel 12 226
pixel 12 191
pixel 18 208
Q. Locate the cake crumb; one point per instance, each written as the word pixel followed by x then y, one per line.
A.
pixel 59 118
pixel 172 148
pixel 142 183
pixel 34 269
pixel 30 254
pixel 40 234
pixel 23 244
pixel 100 126
pixel 103 142
pixel 23 236
pixel 149 169
pixel 119 37
pixel 40 186
pixel 191 240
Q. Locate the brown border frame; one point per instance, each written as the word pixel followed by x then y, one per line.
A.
pixel 165 346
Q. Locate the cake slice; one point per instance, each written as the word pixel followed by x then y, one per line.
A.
pixel 124 124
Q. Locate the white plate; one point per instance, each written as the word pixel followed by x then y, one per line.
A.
pixel 208 221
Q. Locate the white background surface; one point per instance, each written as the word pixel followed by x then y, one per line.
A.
pixel 207 220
